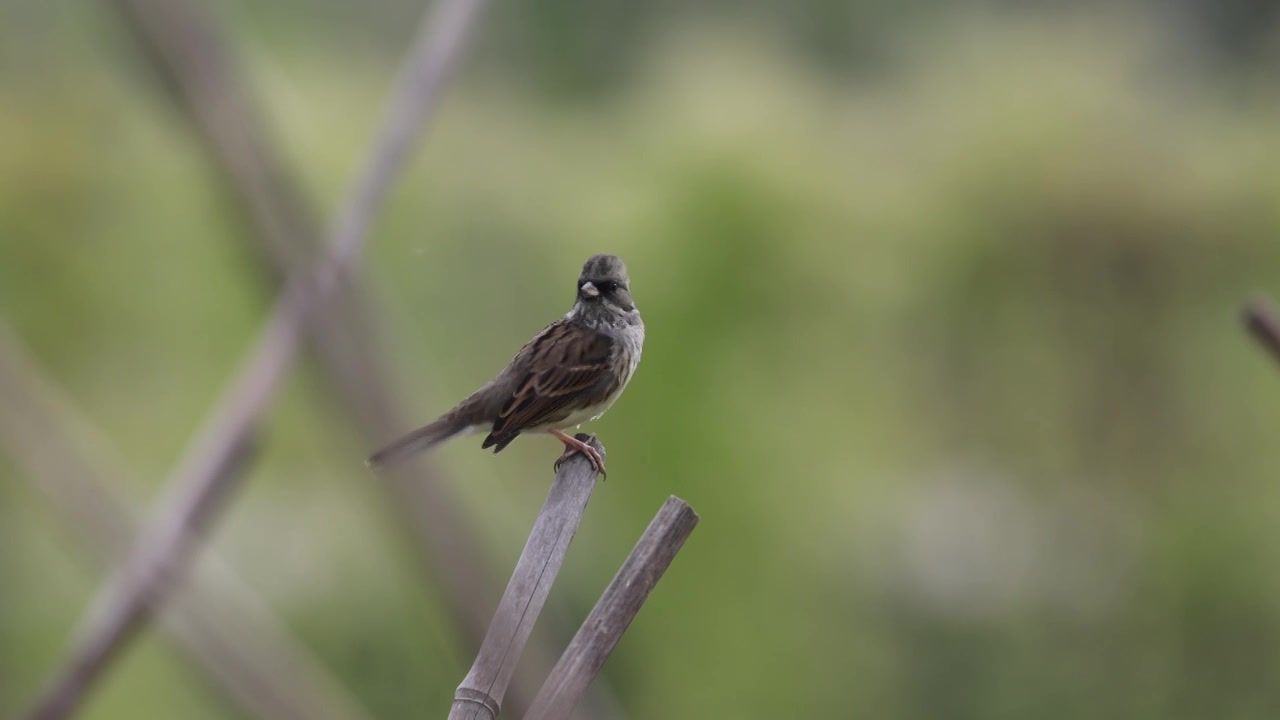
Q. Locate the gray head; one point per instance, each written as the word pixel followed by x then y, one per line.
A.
pixel 604 288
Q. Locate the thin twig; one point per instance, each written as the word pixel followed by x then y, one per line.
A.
pixel 220 624
pixel 122 608
pixel 614 612
pixel 1263 322
pixel 481 692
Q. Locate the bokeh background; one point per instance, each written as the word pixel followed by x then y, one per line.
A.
pixel 943 342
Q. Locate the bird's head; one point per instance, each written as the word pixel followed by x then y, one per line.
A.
pixel 604 288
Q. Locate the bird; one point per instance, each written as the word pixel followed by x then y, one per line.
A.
pixel 571 372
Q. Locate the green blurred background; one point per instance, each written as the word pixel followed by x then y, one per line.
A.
pixel 942 342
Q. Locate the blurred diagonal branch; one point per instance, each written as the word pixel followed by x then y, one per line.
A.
pixel 203 475
pixel 481 692
pixel 1263 322
pixel 116 618
pixel 613 613
pixel 187 48
pixel 198 67
pixel 225 629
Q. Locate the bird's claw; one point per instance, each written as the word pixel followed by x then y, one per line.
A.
pixel 593 457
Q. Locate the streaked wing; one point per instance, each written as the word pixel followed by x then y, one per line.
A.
pixel 569 369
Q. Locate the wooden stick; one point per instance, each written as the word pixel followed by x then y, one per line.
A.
pixel 225 628
pixel 123 606
pixel 1263 322
pixel 614 612
pixel 481 692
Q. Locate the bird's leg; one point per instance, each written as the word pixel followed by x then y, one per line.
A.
pixel 573 446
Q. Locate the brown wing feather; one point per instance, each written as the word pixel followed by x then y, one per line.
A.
pixel 568 363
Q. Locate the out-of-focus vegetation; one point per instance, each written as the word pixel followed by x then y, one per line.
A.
pixel 943 348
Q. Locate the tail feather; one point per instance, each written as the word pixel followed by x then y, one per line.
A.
pixel 500 440
pixel 415 442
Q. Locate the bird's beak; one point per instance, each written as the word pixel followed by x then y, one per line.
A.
pixel 589 290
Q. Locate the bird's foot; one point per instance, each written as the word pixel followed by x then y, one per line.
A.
pixel 574 446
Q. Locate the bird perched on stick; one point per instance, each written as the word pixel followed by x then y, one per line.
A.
pixel 568 374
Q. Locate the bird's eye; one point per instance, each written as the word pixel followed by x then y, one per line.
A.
pixel 607 286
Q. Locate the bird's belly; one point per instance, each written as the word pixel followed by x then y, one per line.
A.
pixel 581 416
pixel 595 411
pixel 586 414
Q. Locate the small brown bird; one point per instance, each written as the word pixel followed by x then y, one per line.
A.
pixel 568 374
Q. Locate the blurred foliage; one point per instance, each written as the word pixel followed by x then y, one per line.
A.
pixel 944 352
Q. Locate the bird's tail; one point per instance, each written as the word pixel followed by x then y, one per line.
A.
pixel 415 442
